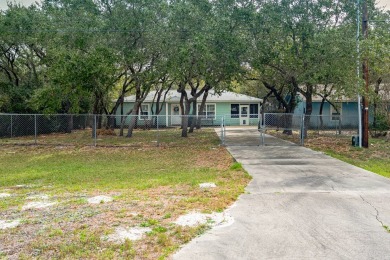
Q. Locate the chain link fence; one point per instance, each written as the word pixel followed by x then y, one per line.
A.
pixel 162 130
pixel 299 128
pixel 239 130
pixel 105 130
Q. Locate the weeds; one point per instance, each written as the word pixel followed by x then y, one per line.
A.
pixel 151 187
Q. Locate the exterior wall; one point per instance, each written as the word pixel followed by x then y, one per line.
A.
pixel 222 110
pixel 140 122
pixel 349 114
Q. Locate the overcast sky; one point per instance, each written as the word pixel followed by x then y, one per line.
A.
pixel 3 3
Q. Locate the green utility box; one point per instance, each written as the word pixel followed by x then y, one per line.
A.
pixel 355 140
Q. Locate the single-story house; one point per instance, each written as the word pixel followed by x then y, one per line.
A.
pixel 237 109
pixel 347 111
pixel 346 114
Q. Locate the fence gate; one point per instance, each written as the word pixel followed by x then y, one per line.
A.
pixel 287 126
pixel 235 132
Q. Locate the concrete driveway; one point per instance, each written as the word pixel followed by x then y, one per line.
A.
pixel 301 204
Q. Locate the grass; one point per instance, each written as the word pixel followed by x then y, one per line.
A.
pixel 151 186
pixel 165 137
pixel 376 158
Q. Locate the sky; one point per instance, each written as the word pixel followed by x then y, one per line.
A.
pixel 3 3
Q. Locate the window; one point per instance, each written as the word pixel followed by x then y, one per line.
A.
pixel 254 110
pixel 144 112
pixel 234 110
pixel 208 111
pixel 336 114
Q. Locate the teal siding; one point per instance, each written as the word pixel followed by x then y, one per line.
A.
pixel 349 114
pixel 222 110
pixel 140 122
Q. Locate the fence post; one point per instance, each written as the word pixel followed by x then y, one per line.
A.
pixel 223 130
pixel 340 124
pixel 95 131
pixel 318 124
pixel 35 128
pixel 261 130
pixel 302 134
pixel 11 126
pixel 158 134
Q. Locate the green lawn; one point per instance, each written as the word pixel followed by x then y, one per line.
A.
pixel 151 186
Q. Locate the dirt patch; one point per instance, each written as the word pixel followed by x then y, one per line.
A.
pixel 4 195
pixel 5 224
pixel 207 185
pixel 38 197
pixel 121 234
pixel 100 199
pixel 214 219
pixel 38 205
pixel 216 157
pixel 379 149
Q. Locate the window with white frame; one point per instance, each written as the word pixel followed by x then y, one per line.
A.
pixel 234 110
pixel 144 112
pixel 335 114
pixel 209 111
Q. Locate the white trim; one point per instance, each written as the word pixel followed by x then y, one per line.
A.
pixel 175 119
pixel 142 117
pixel 166 114
pixel 205 110
pixel 332 110
pixel 247 114
pixel 236 116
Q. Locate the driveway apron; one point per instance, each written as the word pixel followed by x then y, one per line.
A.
pixel 301 204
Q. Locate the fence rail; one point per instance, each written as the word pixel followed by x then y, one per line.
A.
pixel 298 128
pixel 107 130
pixel 156 130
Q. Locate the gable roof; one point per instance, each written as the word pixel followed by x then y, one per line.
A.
pixel 226 96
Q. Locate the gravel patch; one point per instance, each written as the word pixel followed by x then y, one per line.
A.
pixel 38 197
pixel 4 224
pixel 100 199
pixel 220 220
pixel 192 219
pixel 4 195
pixel 121 234
pixel 38 205
pixel 207 185
pixel 214 219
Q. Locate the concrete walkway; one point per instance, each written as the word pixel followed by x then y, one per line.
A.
pixel 301 204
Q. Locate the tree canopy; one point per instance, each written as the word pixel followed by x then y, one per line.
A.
pixel 71 56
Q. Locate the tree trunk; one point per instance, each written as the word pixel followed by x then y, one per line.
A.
pixel 321 110
pixel 69 125
pixel 182 108
pixel 193 117
pixel 309 108
pixel 123 121
pixel 185 119
pixel 201 109
pixel 375 105
pixel 133 119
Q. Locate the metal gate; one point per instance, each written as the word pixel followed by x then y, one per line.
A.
pixel 263 131
pixel 234 133
pixel 282 129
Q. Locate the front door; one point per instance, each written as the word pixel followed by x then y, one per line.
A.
pixel 175 114
pixel 244 115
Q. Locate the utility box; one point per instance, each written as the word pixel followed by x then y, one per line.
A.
pixel 355 140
